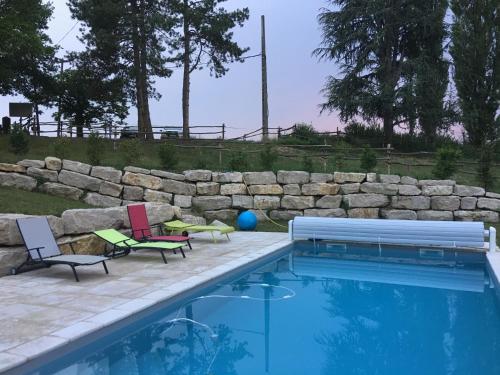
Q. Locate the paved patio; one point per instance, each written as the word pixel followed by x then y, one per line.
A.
pixel 44 309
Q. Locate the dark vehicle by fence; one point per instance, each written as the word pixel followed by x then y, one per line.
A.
pixel 128 132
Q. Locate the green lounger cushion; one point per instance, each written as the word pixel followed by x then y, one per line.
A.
pixel 120 240
pixel 180 225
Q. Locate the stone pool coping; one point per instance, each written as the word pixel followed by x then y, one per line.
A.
pixel 138 282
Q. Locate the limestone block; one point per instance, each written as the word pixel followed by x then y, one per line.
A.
pixel 492 195
pixel 18 181
pixel 265 202
pixel 60 190
pixel 32 163
pixel 6 167
pixel 136 170
pixel 157 196
pixel 366 200
pixel 143 180
pixel 168 175
pixel 399 214
pixel 436 182
pixel 183 201
pixel 389 178
pixel 53 163
pixel 211 203
pixel 342 177
pixel 81 221
pixel 198 175
pixel 320 188
pixel 76 166
pixel 431 190
pixel 321 177
pixel 227 177
pixel 178 187
pixel 329 201
pixel 350 188
pixel 107 174
pixel 363 213
pixel 242 201
pixel 379 188
pixel 99 200
pixel 266 189
pixel 489 204
pixel 78 180
pixel 411 202
pixel 111 189
pixel 9 232
pixel 284 215
pixel 259 178
pixel 11 257
pixel 233 189
pixel 407 180
pixel 293 177
pixel 292 189
pixel 133 193
pixel 479 215
pixel 44 174
pixel 223 215
pixel 445 203
pixel 409 190
pixel 435 215
pixel 88 244
pixel 468 203
pixel 207 188
pixel 297 202
pixel 325 212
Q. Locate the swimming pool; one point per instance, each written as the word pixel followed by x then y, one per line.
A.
pixel 323 309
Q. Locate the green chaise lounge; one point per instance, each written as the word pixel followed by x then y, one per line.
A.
pixel 122 245
pixel 178 226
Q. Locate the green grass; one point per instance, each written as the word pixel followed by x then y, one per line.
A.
pixel 31 203
pixel 201 154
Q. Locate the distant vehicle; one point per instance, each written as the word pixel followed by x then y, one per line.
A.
pixel 170 134
pixel 129 132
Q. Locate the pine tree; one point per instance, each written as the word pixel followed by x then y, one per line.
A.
pixel 128 37
pixel 204 39
pixel 475 51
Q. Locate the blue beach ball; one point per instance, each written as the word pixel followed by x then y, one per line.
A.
pixel 247 221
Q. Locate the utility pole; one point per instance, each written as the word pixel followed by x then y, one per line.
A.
pixel 265 107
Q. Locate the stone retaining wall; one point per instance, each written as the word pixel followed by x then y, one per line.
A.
pixel 282 196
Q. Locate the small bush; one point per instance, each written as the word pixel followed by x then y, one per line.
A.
pixel 131 150
pixel 238 161
pixel 95 148
pixel 168 156
pixel 61 147
pixel 268 157
pixel 485 163
pixel 19 140
pixel 368 160
pixel 307 164
pixel 446 162
pixel 200 162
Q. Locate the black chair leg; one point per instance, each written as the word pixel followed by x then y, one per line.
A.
pixel 182 252
pixel 74 273
pixel 189 244
pixel 105 268
pixel 163 256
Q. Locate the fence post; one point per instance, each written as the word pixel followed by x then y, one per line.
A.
pixel 220 157
pixel 223 130
pixel 279 132
pixel 388 158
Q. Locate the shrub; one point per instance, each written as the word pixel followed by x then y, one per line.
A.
pixel 95 148
pixel 131 150
pixel 268 157
pixel 61 147
pixel 446 162
pixel 368 160
pixel 307 163
pixel 238 161
pixel 201 162
pixel 19 140
pixel 302 134
pixel 168 156
pixel 485 162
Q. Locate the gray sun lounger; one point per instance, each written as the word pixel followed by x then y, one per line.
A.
pixel 43 250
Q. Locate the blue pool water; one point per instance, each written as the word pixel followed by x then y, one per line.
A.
pixel 312 313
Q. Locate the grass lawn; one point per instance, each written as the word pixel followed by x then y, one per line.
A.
pixel 200 154
pixel 26 202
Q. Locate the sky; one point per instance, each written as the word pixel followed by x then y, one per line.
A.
pixel 295 77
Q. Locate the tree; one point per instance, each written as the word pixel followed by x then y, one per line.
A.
pixel 89 95
pixel 24 45
pixel 475 51
pixel 204 39
pixel 128 38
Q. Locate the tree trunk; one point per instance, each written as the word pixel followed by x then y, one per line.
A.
pixel 79 125
pixel 137 75
pixel 143 74
pixel 186 78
